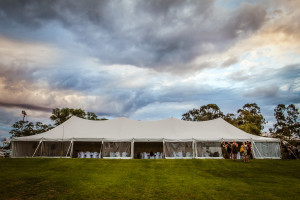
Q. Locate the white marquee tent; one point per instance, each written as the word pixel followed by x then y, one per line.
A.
pixel 121 137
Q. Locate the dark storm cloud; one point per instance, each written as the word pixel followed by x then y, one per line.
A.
pixel 8 117
pixel 273 80
pixel 289 72
pixel 75 78
pixel 132 101
pixel 265 92
pixel 156 34
pixel 16 77
pixel 25 106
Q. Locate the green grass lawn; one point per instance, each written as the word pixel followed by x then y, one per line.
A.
pixel 40 178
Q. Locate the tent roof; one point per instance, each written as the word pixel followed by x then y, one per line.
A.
pixel 124 129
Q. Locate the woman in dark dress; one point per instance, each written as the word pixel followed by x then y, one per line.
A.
pixel 248 151
pixel 224 150
pixel 234 150
pixel 229 150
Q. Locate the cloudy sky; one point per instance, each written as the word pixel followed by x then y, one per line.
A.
pixel 146 60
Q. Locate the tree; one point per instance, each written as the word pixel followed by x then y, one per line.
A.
pixel 24 114
pixel 40 127
pixel 206 112
pixel 286 121
pixel 250 119
pixel 4 142
pixel 26 128
pixel 91 116
pixel 191 115
pixel 231 119
pixel 59 116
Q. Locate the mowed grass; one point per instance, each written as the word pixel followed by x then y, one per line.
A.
pixel 41 178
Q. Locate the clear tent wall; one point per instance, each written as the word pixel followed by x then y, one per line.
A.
pixel 41 148
pixel 208 149
pixel 266 150
pixel 117 150
pixel 178 149
pixel 125 149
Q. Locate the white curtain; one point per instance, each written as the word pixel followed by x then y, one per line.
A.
pixel 55 149
pixel 24 148
pixel 46 148
pixel 266 149
pixel 179 149
pixel 209 149
pixel 116 149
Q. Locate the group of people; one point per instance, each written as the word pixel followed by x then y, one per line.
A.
pixel 233 151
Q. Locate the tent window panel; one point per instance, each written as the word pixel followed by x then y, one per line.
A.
pixel 267 149
pixel 24 149
pixel 147 147
pixel 209 149
pixel 92 147
pixel 54 149
pixel 117 149
pixel 179 149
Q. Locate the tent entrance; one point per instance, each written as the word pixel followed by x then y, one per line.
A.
pixel 142 150
pixel 87 149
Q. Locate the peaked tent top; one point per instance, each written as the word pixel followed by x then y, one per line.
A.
pixel 124 129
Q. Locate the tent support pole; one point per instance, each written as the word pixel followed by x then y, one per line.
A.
pixel 280 146
pixel 12 148
pixel 193 147
pixel 132 148
pixel 69 147
pixel 164 148
pixel 37 147
pixel 72 148
pixel 101 147
pixel 71 153
pixel 253 144
pixel 43 149
pixel 196 152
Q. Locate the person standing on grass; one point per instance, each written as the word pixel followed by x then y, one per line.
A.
pixel 224 150
pixel 229 149
pixel 234 150
pixel 242 151
pixel 244 146
pixel 248 151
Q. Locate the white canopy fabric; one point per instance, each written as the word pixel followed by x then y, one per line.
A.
pixel 124 129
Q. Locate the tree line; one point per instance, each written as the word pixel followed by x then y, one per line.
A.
pixel 59 116
pixel 250 119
